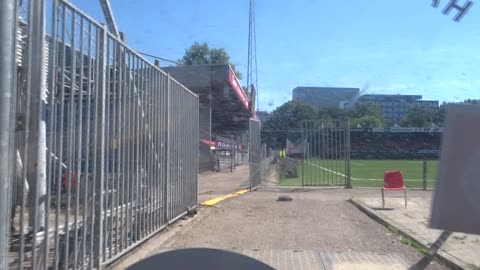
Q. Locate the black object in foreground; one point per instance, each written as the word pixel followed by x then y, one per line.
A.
pixel 284 198
pixel 199 258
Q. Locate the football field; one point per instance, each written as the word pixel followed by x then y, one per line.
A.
pixel 364 173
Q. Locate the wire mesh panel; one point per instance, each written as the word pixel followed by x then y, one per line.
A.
pixel 106 144
pixel 326 157
pixel 255 150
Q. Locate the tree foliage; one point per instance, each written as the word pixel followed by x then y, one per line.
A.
pixel 366 115
pixel 202 54
pixel 288 116
pixel 472 101
pixel 419 116
pixel 368 108
pixel 367 121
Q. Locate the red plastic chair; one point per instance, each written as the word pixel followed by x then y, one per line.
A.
pixel 393 181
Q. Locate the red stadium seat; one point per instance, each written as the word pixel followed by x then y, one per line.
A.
pixel 393 181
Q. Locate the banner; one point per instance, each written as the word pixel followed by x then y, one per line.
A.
pixel 295 142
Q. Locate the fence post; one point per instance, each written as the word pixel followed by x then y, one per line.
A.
pixel 347 152
pixel 424 175
pixel 36 85
pixel 166 199
pixel 8 26
pixel 100 149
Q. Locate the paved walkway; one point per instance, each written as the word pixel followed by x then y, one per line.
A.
pixel 212 185
pixel 318 229
pixel 462 249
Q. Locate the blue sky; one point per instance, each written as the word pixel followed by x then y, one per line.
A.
pixel 380 46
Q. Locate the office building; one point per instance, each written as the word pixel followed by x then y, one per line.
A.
pixel 326 97
pixel 394 107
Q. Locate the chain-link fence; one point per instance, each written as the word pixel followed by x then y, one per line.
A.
pixel 106 143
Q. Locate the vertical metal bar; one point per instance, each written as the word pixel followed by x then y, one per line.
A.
pixel 196 135
pixel 148 145
pixel 325 165
pixel 121 147
pixel 156 147
pixel 8 36
pixel 138 204
pixel 153 148
pixel 154 121
pixel 110 194
pixel 117 109
pixel 342 152
pixel 143 160
pixel 36 85
pixel 122 118
pixel 316 146
pixel 52 121
pixel 424 174
pixel 86 202
pixel 336 153
pixel 100 144
pixel 349 180
pixel 168 154
pixel 133 152
pixel 78 130
pixel 99 71
pixel 60 142
pixel 161 90
pixel 144 176
pixel 116 142
pixel 330 155
pixel 303 131
pixel 322 143
pixel 70 139
pixel 129 142
pixel 108 156
pixel 311 171
pixel 177 183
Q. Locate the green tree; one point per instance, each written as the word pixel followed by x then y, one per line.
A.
pixel 202 54
pixel 419 116
pixel 367 121
pixel 288 116
pixel 368 108
pixel 439 115
pixel 366 115
pixel 472 101
pixel 331 114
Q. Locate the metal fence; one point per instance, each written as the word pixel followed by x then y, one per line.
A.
pixel 106 144
pixel 326 156
pixel 255 154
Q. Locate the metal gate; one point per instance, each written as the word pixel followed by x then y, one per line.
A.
pixel 326 155
pixel 254 149
pixel 106 144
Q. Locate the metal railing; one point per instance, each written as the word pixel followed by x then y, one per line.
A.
pixel 106 144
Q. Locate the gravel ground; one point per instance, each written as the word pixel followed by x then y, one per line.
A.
pixel 314 220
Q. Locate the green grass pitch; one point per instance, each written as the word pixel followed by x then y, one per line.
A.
pixel 365 173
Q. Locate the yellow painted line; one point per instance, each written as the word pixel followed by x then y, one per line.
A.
pixel 216 200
